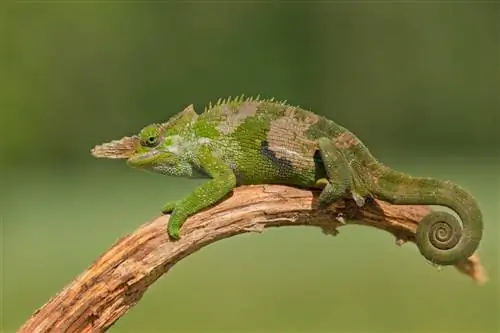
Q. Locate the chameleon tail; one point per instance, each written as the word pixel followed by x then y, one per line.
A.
pixel 440 236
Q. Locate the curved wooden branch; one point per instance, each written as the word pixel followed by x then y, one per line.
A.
pixel 116 281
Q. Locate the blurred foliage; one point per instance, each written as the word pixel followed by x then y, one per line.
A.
pixel 411 80
pixel 414 76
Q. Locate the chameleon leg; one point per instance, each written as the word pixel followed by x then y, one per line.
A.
pixel 337 171
pixel 222 182
pixel 202 197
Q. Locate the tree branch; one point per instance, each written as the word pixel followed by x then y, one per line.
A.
pixel 116 281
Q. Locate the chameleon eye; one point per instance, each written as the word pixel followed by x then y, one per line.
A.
pixel 150 141
pixel 150 136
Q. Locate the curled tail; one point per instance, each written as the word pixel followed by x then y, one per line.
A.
pixel 440 236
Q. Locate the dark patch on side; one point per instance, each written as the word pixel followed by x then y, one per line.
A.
pixel 319 166
pixel 281 163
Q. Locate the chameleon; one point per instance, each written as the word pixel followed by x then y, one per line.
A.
pixel 250 140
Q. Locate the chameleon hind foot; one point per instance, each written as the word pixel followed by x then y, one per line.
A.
pixel 329 194
pixel 340 175
pixel 337 171
pixel 359 199
pixel 439 238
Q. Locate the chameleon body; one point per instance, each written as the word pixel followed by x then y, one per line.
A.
pixel 253 141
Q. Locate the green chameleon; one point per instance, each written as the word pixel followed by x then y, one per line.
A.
pixel 242 141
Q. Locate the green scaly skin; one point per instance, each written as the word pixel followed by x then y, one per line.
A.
pixel 252 141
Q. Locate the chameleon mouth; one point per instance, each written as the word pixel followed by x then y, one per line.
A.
pixel 117 149
pixel 144 158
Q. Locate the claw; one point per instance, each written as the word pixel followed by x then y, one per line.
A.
pixel 360 201
pixel 341 219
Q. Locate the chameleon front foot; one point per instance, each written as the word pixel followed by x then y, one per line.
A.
pixel 173 228
pixel 173 225
pixel 440 239
pixel 175 221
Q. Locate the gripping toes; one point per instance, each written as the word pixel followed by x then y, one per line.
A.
pixel 337 171
pixel 173 226
pixel 340 175
pixel 329 194
pixel 359 199
pixel 175 220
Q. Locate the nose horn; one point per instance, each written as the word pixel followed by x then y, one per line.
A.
pixel 116 149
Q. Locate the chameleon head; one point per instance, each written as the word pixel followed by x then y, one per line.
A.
pixel 148 147
pixel 150 150
pixel 160 153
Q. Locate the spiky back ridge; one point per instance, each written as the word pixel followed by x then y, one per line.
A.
pixel 237 100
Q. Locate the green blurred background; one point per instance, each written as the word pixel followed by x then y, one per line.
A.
pixel 417 82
